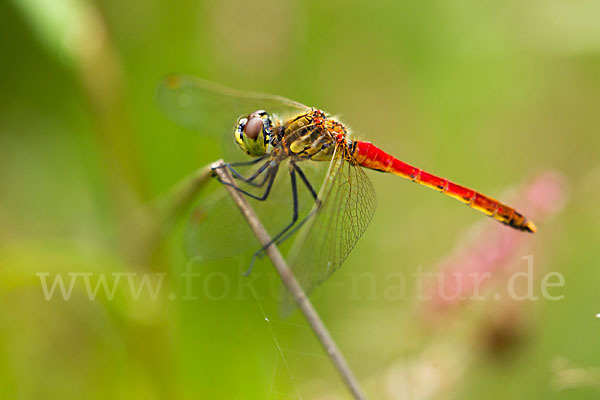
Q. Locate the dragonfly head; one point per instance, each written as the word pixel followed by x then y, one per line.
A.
pixel 253 133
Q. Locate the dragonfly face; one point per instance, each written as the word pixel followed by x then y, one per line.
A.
pixel 253 133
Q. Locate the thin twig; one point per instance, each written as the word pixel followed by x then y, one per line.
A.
pixel 289 280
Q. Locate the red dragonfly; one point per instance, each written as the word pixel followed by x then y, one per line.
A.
pixel 274 131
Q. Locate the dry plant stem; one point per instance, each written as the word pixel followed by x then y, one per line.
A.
pixel 291 284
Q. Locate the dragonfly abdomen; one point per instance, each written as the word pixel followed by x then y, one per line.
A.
pixel 370 156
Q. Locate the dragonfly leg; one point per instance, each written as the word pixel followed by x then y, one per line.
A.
pixel 246 163
pixel 306 182
pixel 307 217
pixel 239 176
pixel 243 163
pixel 249 180
pixel 269 178
pixel 262 250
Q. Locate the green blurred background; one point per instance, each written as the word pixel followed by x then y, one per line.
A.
pixel 487 93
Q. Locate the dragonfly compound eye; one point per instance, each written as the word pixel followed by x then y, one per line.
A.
pixel 253 133
pixel 253 127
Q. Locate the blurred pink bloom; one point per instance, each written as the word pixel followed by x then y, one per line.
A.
pixel 490 247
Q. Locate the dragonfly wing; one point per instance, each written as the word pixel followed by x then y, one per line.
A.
pixel 216 229
pixel 347 206
pixel 214 109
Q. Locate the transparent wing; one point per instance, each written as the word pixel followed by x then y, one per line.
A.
pixel 348 204
pixel 213 109
pixel 216 228
pixel 194 102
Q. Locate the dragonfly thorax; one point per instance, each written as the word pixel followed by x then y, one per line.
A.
pixel 253 133
pixel 309 136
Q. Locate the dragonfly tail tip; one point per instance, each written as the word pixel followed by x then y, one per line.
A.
pixel 530 227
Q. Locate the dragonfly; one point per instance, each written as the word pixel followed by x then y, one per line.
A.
pixel 330 200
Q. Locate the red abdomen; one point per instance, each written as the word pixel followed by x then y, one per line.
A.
pixel 370 156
